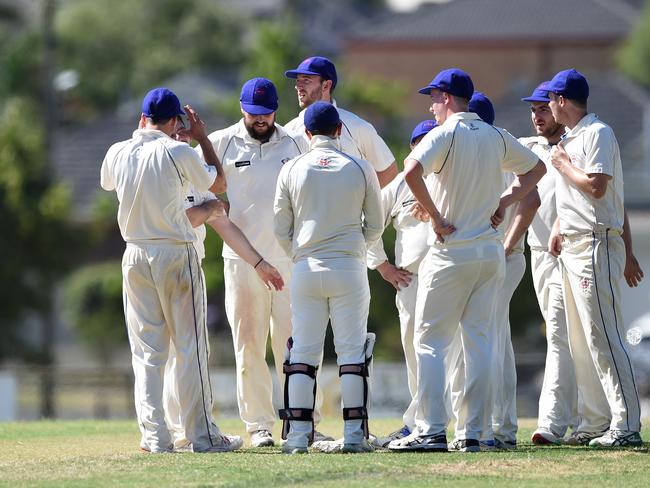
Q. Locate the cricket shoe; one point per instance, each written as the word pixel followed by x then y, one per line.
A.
pixel 465 445
pixel 262 438
pixel 224 443
pixel 505 444
pixel 319 436
pixel 487 445
pixel 415 442
pixel 398 434
pixel 545 437
pixel 328 447
pixel 581 438
pixel 291 449
pixel 618 438
pixel 357 447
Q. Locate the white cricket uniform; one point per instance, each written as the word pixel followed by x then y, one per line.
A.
pixel 327 210
pixel 593 260
pixel 559 396
pixel 359 138
pixel 253 311
pixel 171 393
pixel 163 302
pixel 410 248
pixel 458 281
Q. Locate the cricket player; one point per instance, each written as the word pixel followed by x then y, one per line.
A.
pixel 327 210
pixel 410 248
pixel 206 208
pixel 316 80
pixel 151 173
pixel 459 276
pixel 586 236
pixel 253 152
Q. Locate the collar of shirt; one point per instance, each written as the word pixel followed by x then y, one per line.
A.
pixel 462 116
pixel 584 123
pixel 148 134
pixel 242 133
pixel 324 142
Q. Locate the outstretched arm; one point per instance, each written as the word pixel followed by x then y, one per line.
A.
pixel 526 210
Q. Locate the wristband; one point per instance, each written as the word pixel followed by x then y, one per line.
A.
pixel 258 263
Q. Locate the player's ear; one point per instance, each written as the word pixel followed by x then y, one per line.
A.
pixel 308 134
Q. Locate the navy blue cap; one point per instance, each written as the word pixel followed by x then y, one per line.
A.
pixel 453 81
pixel 161 104
pixel 259 97
pixel 422 128
pixel 570 84
pixel 481 105
pixel 316 65
pixel 540 94
pixel 321 116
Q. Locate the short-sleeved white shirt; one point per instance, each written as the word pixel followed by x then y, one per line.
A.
pixel 593 148
pixel 193 199
pixel 151 173
pixel 464 158
pixel 358 138
pixel 411 233
pixel 539 231
pixel 251 171
pixel 327 204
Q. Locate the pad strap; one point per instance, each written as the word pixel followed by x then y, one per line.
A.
pixel 304 414
pixel 355 413
pixel 299 368
pixel 356 369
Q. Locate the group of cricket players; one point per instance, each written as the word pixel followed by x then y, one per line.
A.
pixel 306 207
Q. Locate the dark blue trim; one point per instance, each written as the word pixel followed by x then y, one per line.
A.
pixel 453 136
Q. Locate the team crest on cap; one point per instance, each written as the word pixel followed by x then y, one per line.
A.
pixel 260 91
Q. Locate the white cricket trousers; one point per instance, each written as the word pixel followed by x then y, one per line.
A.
pixel 253 312
pixel 592 267
pixel 457 289
pixel 405 300
pixel 336 290
pixel 504 373
pixel 559 396
pixel 163 305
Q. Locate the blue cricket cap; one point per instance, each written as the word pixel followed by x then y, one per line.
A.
pixel 321 116
pixel 540 94
pixel 453 81
pixel 422 128
pixel 481 105
pixel 316 65
pixel 259 97
pixel 570 84
pixel 161 104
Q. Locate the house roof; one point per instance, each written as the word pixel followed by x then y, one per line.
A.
pixel 495 20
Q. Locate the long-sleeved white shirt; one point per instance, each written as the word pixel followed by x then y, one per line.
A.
pixel 151 173
pixel 327 204
pixel 411 233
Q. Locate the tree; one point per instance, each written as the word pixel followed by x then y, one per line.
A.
pixel 634 56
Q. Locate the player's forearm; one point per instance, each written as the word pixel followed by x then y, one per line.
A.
pixel 235 238
pixel 387 175
pixel 199 214
pixel 413 175
pixel 522 185
pixel 627 235
pixel 526 210
pixel 211 159
pixel 594 185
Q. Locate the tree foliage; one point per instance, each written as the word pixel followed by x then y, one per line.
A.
pixel 634 56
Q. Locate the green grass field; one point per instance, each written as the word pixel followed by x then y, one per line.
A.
pixel 105 453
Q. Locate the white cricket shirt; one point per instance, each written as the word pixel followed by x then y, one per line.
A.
pixel 593 148
pixel 251 171
pixel 193 199
pixel 464 158
pixel 359 138
pixel 539 231
pixel 327 204
pixel 151 173
pixel 411 233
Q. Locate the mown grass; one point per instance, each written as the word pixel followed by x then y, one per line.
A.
pixel 105 453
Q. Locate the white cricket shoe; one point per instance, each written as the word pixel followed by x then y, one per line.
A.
pixel 357 447
pixel 319 436
pixel 225 443
pixel 582 438
pixel 398 434
pixel 545 437
pixel 329 447
pixel 618 438
pixel 262 438
pixel 465 445
pixel 416 442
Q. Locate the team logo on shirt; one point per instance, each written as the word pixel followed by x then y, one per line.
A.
pixel 239 164
pixel 324 162
pixel 585 284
